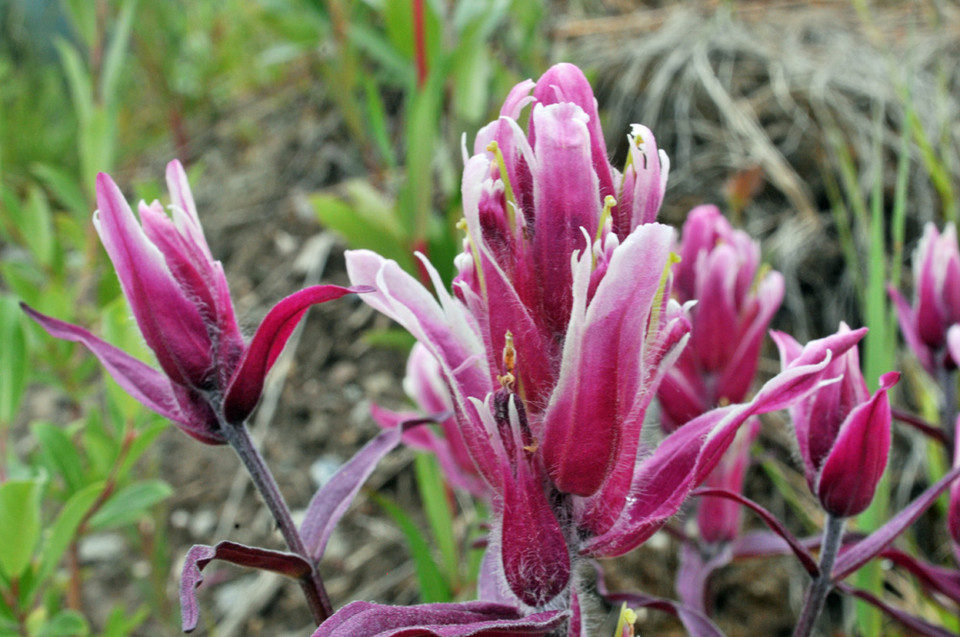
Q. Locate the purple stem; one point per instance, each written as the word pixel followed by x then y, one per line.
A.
pixel 312 585
pixel 821 585
pixel 921 425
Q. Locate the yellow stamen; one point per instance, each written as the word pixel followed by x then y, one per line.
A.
pixel 628 617
pixel 608 203
pixel 512 206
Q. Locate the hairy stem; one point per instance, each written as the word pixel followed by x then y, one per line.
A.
pixel 820 587
pixel 312 585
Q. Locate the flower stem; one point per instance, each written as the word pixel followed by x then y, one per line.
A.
pixel 312 585
pixel 819 587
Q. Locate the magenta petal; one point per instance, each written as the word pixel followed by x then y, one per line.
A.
pixel 566 83
pixel 184 209
pixel 168 318
pixel 465 619
pixel 245 386
pixel 200 555
pixel 332 499
pixel 908 327
pixel 849 476
pixel 602 372
pixel 144 383
pixel 536 563
pixel 852 558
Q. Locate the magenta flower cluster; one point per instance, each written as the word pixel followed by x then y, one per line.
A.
pixel 573 312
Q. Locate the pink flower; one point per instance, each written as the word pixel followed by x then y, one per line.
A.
pixel 210 376
pixel 842 431
pixel 936 304
pixel 719 268
pixel 556 336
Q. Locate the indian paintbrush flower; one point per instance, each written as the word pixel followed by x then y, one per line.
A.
pixel 210 376
pixel 936 305
pixel 555 339
pixel 735 300
pixel 843 432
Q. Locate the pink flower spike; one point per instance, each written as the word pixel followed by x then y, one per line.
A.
pixel 850 473
pixel 936 303
pixel 180 299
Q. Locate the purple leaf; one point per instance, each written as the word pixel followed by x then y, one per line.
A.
pixel 915 624
pixel 931 576
pixel 862 552
pixel 466 619
pixel 694 573
pixel 332 499
pixel 200 555
pixel 772 522
pixel 245 386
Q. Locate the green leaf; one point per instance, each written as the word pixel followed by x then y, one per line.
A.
pixel 121 625
pixel 144 438
pixel 116 53
pixel 119 330
pixel 65 187
pixel 19 524
pixel 129 504
pixel 36 227
pixel 433 586
pixel 13 358
pixel 364 227
pixel 78 79
pixel 377 120
pixel 63 531
pixel 433 493
pixel 61 454
pixel 470 67
pixel 66 623
pixel 83 15
pixel 390 337
pixel 97 137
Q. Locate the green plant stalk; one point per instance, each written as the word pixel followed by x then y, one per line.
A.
pixel 433 492
pixel 878 359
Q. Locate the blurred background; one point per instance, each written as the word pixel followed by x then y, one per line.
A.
pixel 828 130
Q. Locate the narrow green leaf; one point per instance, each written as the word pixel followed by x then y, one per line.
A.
pixel 129 504
pixel 433 586
pixel 65 187
pixel 36 227
pixel 62 532
pixel 13 359
pixel 83 16
pixel 19 524
pixel 433 493
pixel 144 438
pixel 377 120
pixel 97 140
pixel 61 454
pixel 78 80
pixel 116 52
pixel 363 227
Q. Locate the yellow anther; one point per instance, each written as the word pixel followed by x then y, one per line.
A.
pixel 628 617
pixel 494 148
